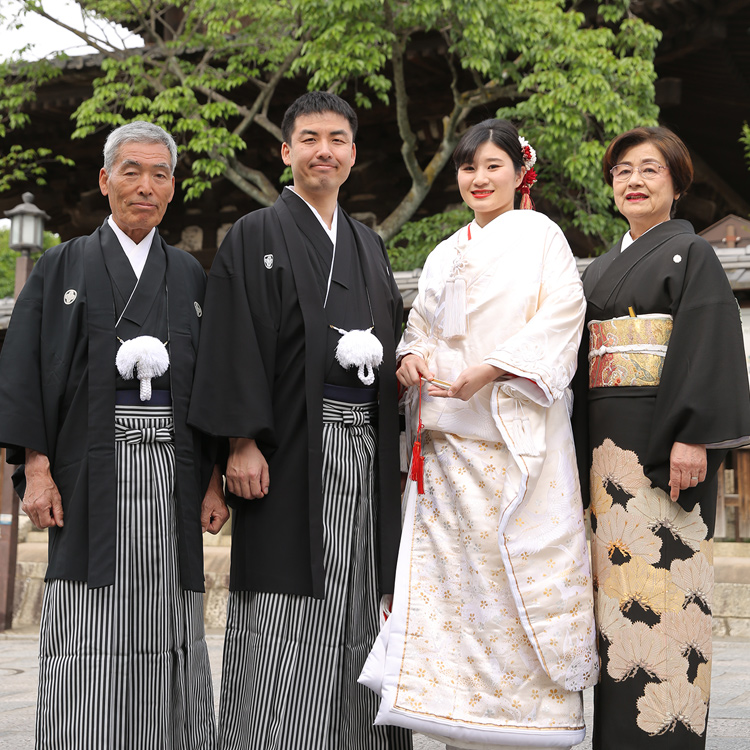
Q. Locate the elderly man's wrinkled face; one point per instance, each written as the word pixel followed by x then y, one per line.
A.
pixel 139 186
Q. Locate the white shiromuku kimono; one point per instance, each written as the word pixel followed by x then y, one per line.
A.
pixel 492 637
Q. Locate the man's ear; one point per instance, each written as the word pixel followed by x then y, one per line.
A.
pixel 286 154
pixel 103 177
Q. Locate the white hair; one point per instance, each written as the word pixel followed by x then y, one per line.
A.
pixel 139 131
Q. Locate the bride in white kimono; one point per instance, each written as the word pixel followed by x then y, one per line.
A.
pixel 491 638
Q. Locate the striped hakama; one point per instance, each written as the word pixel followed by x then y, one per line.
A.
pixel 126 666
pixel 291 662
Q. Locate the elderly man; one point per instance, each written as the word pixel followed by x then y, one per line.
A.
pixel 300 305
pixel 95 380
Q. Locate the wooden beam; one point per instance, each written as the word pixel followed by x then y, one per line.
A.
pixel 705 173
pixel 682 44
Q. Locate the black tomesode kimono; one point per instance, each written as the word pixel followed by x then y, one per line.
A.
pixel 57 393
pixel 265 315
pixel 652 558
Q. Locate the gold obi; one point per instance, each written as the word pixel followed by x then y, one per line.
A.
pixel 628 351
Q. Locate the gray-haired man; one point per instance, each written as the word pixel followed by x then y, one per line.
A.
pixel 95 379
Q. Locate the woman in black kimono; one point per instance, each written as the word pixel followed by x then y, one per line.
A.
pixel 662 394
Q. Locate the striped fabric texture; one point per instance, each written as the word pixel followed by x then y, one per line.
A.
pixel 289 678
pixel 126 666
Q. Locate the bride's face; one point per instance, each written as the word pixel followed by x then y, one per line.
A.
pixel 488 184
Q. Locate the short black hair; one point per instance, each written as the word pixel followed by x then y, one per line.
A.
pixel 501 132
pixel 313 103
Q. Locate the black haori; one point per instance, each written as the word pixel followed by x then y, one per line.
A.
pixel 126 666
pixel 291 662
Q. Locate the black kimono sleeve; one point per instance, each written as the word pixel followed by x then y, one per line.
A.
pixel 703 395
pixel 580 417
pixel 22 418
pixel 236 400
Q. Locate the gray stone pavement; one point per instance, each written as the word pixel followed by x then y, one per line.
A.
pixel 728 724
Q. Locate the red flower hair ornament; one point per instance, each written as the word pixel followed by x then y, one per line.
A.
pixel 529 159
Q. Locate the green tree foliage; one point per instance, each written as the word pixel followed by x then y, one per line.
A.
pixel 572 83
pixel 745 140
pixel 19 82
pixel 7 266
pixel 8 259
pixel 416 239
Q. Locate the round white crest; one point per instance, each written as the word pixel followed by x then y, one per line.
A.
pixel 70 296
pixel 198 310
pixel 677 258
pixel 268 261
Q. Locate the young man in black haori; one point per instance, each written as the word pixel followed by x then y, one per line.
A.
pixel 301 307
pixel 113 470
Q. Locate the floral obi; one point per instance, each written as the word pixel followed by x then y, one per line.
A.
pixel 628 351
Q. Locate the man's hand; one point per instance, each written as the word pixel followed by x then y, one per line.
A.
pixel 247 470
pixel 41 501
pixel 411 367
pixel 687 467
pixel 468 382
pixel 214 511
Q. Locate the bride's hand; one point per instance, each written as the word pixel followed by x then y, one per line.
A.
pixel 411 367
pixel 468 382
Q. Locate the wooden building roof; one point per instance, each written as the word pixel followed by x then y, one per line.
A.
pixel 730 232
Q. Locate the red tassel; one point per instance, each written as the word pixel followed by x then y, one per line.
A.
pixel 417 464
pixel 529 178
pixel 526 202
pixel 417 459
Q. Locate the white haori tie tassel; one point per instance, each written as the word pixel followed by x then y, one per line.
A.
pixel 144 357
pixel 360 349
pixel 454 314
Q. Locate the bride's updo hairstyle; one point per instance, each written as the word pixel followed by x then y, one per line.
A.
pixel 501 132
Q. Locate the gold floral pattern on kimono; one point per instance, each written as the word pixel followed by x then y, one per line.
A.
pixel 653 614
pixel 467 655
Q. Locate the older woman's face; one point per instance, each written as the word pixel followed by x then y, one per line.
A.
pixel 644 202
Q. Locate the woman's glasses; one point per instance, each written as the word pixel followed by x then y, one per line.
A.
pixel 649 171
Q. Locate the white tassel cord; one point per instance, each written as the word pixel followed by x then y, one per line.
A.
pixel 455 307
pixel 144 357
pixel 454 296
pixel 360 349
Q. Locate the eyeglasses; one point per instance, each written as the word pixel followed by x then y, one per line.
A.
pixel 649 171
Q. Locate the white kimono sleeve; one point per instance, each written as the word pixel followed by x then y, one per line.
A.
pixel 543 354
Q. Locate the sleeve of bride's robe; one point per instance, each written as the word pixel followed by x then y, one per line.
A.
pixel 544 351
pixel 418 337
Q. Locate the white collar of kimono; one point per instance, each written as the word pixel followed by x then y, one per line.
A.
pixel 627 238
pixel 136 253
pixel 475 230
pixel 332 233
pixel 334 224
